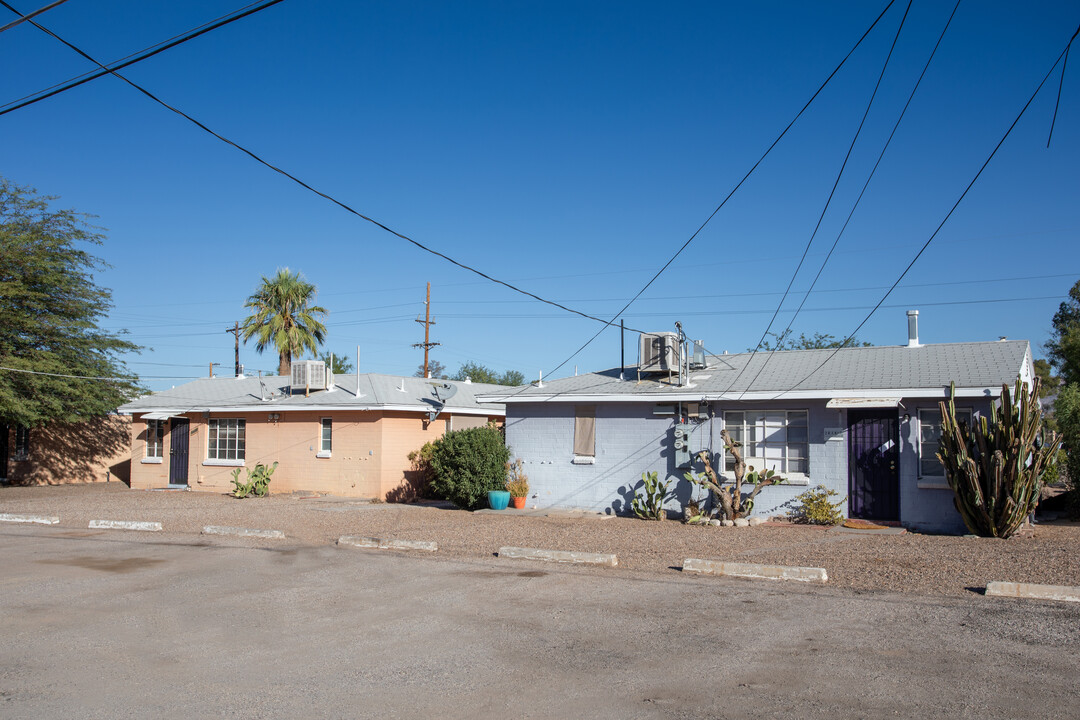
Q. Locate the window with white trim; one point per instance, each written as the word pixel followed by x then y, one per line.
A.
pixel 771 439
pixel 225 439
pixel 930 440
pixel 327 438
pixel 155 432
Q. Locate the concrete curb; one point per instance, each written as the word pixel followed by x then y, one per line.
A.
pixel 560 556
pixel 750 570
pixel 242 532
pixel 36 519
pixel 384 544
pixel 1064 593
pixel 125 525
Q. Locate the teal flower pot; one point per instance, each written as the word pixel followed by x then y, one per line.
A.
pixel 498 499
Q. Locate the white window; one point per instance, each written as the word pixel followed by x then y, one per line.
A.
pixel 326 442
pixel 771 439
pixel 225 439
pixel 930 440
pixel 155 431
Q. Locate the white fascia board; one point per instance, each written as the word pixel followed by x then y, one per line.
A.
pixel 943 393
pixel 269 407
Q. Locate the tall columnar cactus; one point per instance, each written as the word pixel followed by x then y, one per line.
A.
pixel 994 466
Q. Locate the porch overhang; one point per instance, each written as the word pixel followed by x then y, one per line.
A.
pixel 163 414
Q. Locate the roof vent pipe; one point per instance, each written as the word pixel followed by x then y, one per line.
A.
pixel 913 329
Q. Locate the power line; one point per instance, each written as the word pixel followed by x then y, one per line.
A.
pixel 130 60
pixel 948 215
pixel 90 377
pixel 855 205
pixel 731 193
pixel 306 186
pixel 24 18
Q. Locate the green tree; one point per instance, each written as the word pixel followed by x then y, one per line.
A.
pixel 49 313
pixel 1064 344
pixel 436 368
pixel 283 316
pixel 819 341
pixel 1067 416
pixel 478 373
pixel 1045 372
pixel 340 366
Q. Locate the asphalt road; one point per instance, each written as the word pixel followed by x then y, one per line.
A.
pixel 115 624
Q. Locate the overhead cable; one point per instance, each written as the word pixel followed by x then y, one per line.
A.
pixel 945 219
pixel 731 193
pixel 305 185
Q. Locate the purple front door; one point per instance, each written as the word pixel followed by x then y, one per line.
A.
pixel 873 459
pixel 178 452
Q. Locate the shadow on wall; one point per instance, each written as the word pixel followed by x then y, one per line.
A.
pixel 412 488
pixel 96 450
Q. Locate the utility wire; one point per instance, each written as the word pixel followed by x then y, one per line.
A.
pixel 825 208
pixel 24 18
pixel 131 59
pixel 862 192
pixel 306 186
pixel 90 377
pixel 948 215
pixel 1061 83
pixel 730 194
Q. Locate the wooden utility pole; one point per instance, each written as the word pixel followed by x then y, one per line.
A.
pixel 235 330
pixel 428 322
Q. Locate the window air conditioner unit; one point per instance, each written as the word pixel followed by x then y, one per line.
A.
pixel 659 352
pixel 311 375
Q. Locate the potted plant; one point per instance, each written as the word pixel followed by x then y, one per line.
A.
pixel 517 483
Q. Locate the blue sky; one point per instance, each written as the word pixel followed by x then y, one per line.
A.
pixel 569 149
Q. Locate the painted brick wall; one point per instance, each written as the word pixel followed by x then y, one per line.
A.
pixel 631 440
pixel 96 450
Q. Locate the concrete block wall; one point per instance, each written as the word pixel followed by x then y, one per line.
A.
pixel 630 440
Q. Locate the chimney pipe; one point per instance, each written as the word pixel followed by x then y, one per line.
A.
pixel 913 329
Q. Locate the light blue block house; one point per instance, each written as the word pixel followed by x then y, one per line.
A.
pixel 861 421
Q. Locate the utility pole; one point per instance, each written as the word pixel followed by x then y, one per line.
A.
pixel 235 330
pixel 212 368
pixel 428 322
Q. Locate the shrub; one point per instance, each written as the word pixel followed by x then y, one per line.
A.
pixel 417 480
pixel 466 464
pixel 814 508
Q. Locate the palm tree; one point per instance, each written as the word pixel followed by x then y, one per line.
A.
pixel 283 316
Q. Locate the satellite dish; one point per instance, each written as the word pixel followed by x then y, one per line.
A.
pixel 443 391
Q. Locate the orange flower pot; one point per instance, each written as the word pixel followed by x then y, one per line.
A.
pixel 518 502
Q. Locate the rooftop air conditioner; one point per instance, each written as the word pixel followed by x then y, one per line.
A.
pixel 659 352
pixel 311 375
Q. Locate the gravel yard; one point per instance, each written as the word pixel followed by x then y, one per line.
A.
pixel 908 563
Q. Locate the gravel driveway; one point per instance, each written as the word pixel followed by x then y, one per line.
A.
pixel 908 563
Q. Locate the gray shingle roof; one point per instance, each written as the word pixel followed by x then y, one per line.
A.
pixel 890 368
pixel 376 391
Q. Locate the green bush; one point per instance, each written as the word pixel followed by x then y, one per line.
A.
pixel 814 508
pixel 466 464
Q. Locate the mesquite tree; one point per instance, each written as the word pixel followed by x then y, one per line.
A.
pixel 733 502
pixel 994 465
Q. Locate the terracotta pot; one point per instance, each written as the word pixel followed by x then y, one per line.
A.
pixel 518 502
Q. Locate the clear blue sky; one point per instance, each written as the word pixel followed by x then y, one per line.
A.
pixel 567 148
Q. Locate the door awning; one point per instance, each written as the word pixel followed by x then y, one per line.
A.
pixel 163 414
pixel 878 402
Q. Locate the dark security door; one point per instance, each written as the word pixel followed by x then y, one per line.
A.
pixel 873 459
pixel 178 452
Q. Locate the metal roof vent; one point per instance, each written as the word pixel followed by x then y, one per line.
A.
pixel 697 362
